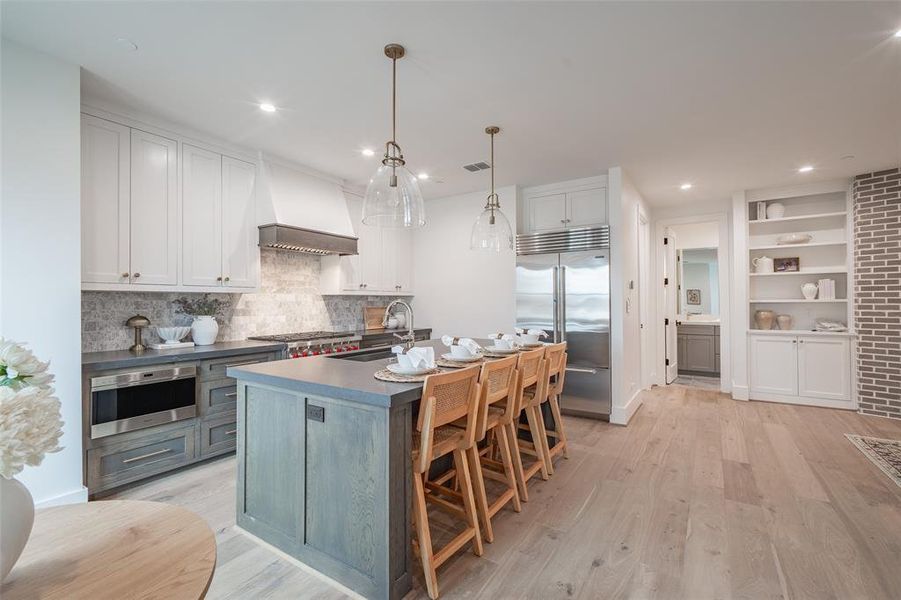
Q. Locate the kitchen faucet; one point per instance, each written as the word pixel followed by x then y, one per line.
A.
pixel 410 338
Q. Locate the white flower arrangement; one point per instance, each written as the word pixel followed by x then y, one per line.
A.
pixel 30 421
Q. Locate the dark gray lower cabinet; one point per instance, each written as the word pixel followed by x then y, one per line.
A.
pixel 218 435
pixel 328 481
pixel 698 349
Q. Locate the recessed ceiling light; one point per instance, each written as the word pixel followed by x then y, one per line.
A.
pixel 126 44
pixel 685 186
pixel 898 34
pixel 266 107
pixel 805 169
pixel 367 152
pixel 423 175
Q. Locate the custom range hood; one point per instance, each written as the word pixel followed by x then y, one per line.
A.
pixel 304 212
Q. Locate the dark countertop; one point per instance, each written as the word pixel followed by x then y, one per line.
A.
pixel 117 359
pixel 380 332
pixel 335 378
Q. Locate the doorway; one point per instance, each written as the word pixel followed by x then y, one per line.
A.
pixel 693 324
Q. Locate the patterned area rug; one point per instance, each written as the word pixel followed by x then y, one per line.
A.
pixel 885 454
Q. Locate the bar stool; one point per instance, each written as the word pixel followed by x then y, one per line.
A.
pixel 532 383
pixel 497 405
pixel 556 357
pixel 446 397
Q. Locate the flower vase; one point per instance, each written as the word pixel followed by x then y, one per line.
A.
pixel 16 520
pixel 204 330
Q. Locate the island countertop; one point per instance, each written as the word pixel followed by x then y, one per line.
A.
pixel 335 377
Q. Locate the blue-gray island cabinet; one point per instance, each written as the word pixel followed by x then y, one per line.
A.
pixel 324 467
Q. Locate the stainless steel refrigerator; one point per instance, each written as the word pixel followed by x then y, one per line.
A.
pixel 563 288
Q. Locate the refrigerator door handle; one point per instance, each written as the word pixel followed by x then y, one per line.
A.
pixel 581 370
pixel 562 326
pixel 556 301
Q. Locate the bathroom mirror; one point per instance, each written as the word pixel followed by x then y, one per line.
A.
pixel 698 275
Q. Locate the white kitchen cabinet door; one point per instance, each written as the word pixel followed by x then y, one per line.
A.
pixel 369 246
pixel 154 209
pixel 586 208
pixel 403 260
pixel 350 266
pixel 824 368
pixel 774 365
pixel 105 192
pixel 547 213
pixel 240 237
pixel 387 278
pixel 201 217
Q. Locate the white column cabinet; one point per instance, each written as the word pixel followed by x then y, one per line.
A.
pixel 201 217
pixel 105 190
pixel 565 205
pixel 802 369
pixel 823 369
pixel 240 237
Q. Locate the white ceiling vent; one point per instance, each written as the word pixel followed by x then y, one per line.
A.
pixel 479 166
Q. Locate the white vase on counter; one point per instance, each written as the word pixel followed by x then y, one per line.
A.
pixel 204 330
pixel 809 290
pixel 16 520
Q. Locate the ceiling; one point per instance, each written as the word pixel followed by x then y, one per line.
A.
pixel 725 95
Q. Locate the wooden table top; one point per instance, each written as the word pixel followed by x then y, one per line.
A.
pixel 114 549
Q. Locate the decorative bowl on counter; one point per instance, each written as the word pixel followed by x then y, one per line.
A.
pixel 172 335
pixel 794 238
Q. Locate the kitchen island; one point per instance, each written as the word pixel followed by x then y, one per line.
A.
pixel 324 454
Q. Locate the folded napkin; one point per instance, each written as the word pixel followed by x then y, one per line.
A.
pixel 468 343
pixel 501 336
pixel 540 333
pixel 415 358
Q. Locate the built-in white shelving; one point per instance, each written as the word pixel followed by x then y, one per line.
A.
pixel 828 215
pixel 787 246
pixel 804 272
pixel 792 332
pixel 796 300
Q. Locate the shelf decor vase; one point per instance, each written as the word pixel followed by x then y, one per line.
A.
pixel 775 210
pixel 764 319
pixel 204 330
pixel 809 290
pixel 762 264
pixel 785 322
pixel 16 520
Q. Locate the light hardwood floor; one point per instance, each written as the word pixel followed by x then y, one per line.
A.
pixel 699 497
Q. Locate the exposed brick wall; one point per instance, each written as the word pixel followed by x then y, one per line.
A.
pixel 877 291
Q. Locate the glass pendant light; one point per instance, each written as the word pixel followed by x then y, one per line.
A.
pixel 393 197
pixel 491 231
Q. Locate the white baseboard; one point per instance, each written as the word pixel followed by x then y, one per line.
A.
pixel 74 497
pixel 740 392
pixel 621 415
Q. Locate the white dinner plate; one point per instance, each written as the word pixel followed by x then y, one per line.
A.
pixel 496 350
pixel 463 359
pixel 399 370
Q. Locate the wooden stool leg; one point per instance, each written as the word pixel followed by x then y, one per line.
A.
pixel 545 448
pixel 507 461
pixel 535 431
pixel 469 505
pixel 421 518
pixel 478 490
pixel 558 423
pixel 510 433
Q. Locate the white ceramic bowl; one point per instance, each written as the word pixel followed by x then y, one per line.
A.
pixel 172 335
pixel 794 238
pixel 528 338
pixel 503 344
pixel 460 351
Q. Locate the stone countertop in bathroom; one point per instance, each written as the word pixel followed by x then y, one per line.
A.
pixel 117 359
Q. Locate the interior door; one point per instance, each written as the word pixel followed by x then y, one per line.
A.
pixel 536 293
pixel 201 239
pixel 584 293
pixel 240 248
pixel 154 209
pixel 670 293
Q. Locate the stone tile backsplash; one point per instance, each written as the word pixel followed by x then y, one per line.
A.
pixel 288 300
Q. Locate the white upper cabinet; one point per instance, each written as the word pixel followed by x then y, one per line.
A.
pixel 240 236
pixel 569 204
pixel 201 217
pixel 105 221
pixel 139 232
pixel 403 258
pixel 154 209
pixel 823 368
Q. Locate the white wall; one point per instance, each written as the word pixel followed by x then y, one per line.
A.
pixel 458 291
pixel 696 235
pixel 40 245
pixel 625 203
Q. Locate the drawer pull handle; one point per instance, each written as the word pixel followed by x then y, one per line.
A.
pixel 580 370
pixel 232 395
pixel 148 455
pixel 231 432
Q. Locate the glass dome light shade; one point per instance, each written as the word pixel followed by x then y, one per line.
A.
pixel 491 232
pixel 398 206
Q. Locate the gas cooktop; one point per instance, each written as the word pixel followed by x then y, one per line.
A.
pixel 305 336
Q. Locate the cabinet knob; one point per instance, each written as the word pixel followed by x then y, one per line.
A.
pixel 219 279
pixel 125 275
pixel 227 279
pixel 563 220
pixel 136 275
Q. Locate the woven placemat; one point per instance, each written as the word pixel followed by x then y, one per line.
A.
pixel 498 354
pixel 386 375
pixel 453 364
